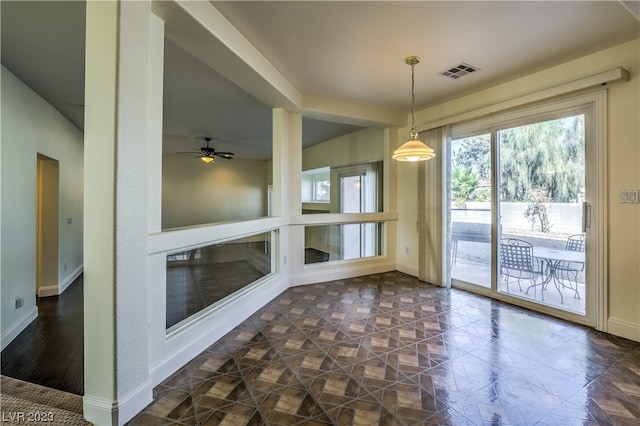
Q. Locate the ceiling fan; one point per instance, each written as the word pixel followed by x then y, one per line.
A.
pixel 207 153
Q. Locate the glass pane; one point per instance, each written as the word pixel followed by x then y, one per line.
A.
pixel 355 188
pixel 471 210
pixel 201 277
pixel 321 190
pixel 341 242
pixel 542 186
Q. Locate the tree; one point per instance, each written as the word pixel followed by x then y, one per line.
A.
pixel 546 156
pixel 474 153
pixel 538 212
pixel 464 182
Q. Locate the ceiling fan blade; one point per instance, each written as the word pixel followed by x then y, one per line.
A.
pixel 228 157
pixel 188 152
pixel 225 153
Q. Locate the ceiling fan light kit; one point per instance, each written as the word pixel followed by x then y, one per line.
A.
pixel 413 149
pixel 207 154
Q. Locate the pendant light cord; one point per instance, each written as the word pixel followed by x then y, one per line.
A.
pixel 413 96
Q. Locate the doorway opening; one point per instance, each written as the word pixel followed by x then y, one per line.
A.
pixel 47 225
pixel 359 192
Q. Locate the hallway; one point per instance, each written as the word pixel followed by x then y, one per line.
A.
pixel 49 352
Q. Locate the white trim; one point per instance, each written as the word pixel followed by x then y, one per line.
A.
pixel 55 290
pixel 182 239
pixel 319 273
pixel 528 113
pixel 593 103
pixel 101 411
pixel 623 328
pixel 598 255
pixel 49 290
pixel 135 401
pixel 562 89
pixel 194 337
pixel 17 327
pixel 407 268
pixel 341 218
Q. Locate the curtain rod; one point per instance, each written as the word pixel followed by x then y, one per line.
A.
pixel 602 78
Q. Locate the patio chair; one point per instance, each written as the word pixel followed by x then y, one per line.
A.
pixel 516 261
pixel 575 243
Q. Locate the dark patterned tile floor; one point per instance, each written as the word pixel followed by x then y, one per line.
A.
pixel 386 349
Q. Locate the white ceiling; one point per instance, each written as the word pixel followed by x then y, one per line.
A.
pixel 351 52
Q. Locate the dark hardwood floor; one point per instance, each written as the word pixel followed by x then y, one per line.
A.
pixel 50 351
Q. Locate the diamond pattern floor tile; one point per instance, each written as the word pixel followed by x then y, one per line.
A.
pixel 386 349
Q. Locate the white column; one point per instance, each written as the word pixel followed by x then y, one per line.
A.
pixel 287 185
pixel 117 98
pixel 287 162
pixel 155 82
pixel 390 191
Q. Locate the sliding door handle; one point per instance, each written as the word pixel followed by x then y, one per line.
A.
pixel 586 216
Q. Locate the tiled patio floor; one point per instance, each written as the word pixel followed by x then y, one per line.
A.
pixel 480 274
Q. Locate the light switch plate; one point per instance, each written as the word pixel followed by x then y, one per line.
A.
pixel 624 196
pixel 629 196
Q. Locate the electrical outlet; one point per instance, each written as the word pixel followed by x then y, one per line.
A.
pixel 65 266
pixel 406 250
pixel 19 302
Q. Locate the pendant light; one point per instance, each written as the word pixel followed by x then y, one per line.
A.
pixel 413 150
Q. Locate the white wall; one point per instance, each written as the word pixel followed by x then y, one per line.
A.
pixel 361 146
pixel 624 171
pixel 195 193
pixel 30 126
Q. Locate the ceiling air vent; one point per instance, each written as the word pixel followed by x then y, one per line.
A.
pixel 459 70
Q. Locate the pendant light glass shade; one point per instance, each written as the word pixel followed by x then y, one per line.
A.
pixel 207 159
pixel 413 150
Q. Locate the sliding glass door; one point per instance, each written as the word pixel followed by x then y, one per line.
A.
pixel 542 190
pixel 518 227
pixel 471 211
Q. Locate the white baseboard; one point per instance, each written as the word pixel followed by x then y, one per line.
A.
pixel 49 290
pixel 210 328
pixel 135 401
pixel 55 290
pixel 624 329
pixel 16 328
pixel 405 268
pixel 71 278
pixel 320 272
pixel 101 411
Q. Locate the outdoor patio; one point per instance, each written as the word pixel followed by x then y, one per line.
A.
pixel 480 274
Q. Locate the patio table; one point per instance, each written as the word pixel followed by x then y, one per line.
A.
pixel 552 258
